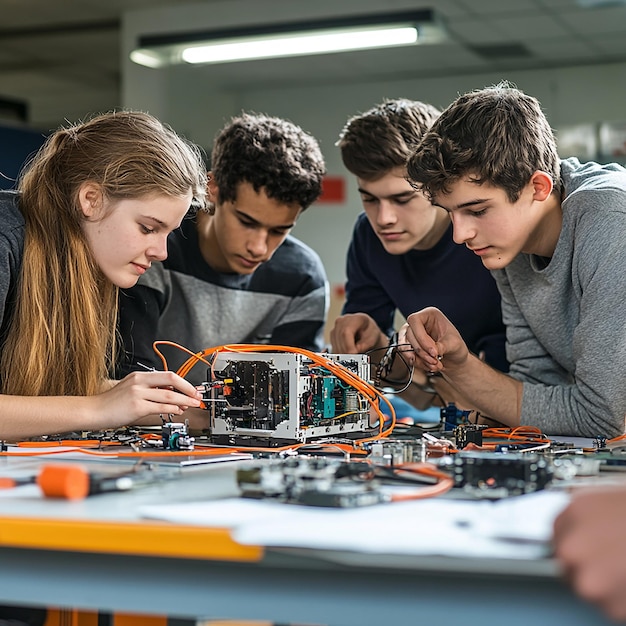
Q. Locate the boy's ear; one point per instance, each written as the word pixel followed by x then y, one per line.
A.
pixel 542 185
pixel 212 189
pixel 90 199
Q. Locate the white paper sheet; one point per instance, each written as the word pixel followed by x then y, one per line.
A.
pixel 519 527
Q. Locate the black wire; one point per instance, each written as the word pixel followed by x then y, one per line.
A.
pixel 386 364
pixel 392 474
pixel 409 380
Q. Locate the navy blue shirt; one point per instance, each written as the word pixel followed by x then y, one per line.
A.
pixel 448 276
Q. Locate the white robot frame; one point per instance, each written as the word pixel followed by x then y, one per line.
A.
pixel 269 398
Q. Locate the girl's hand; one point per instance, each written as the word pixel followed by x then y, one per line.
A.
pixel 141 394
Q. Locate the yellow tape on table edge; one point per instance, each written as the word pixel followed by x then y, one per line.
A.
pixel 144 539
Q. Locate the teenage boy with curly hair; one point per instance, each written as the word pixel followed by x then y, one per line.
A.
pixel 234 274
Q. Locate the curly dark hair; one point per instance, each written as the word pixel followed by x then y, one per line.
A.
pixel 270 153
pixel 497 135
pixel 375 142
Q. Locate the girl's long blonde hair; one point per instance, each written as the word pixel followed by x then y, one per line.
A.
pixel 62 335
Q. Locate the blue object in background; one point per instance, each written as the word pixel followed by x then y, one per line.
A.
pixel 16 145
pixel 408 414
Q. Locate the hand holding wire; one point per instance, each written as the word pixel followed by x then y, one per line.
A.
pixel 436 343
pixel 143 394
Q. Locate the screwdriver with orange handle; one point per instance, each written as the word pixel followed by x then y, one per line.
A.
pixel 72 482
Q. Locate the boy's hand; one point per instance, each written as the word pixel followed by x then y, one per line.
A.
pixel 433 337
pixel 356 333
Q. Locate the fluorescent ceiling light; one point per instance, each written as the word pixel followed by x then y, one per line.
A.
pixel 147 58
pixel 283 40
pixel 600 4
pixel 319 42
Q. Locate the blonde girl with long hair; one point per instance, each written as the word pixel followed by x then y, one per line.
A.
pixel 92 211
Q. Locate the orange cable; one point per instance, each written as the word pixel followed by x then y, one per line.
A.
pixel 444 484
pixel 343 373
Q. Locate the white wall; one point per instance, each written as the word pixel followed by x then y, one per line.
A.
pixel 569 95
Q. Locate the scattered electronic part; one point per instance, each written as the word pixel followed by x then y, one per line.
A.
pixel 175 436
pixel 394 452
pixel 271 399
pixel 498 475
pixel 436 446
pixel 570 466
pixel 343 495
pixel 599 442
pixel 610 459
pixel 315 481
pixel 122 436
pixel 465 434
pixel 519 447
pixel 564 447
pixel 452 416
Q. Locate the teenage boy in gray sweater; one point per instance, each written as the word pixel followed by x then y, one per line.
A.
pixel 552 233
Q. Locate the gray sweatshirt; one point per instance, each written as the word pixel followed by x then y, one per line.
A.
pixel 566 316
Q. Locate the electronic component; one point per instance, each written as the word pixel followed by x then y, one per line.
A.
pixel 271 399
pixel 175 436
pixel 567 467
pixel 599 442
pixel 498 475
pixel 314 481
pixel 468 433
pixel 436 446
pixel 343 495
pixel 610 460
pixel 395 452
pixel 452 416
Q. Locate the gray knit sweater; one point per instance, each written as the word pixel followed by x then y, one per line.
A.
pixel 566 316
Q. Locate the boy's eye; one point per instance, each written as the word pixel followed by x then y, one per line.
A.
pixel 146 229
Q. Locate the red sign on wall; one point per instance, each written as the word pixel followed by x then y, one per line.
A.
pixel 333 190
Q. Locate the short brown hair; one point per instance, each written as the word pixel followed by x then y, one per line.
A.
pixel 375 142
pixel 497 135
